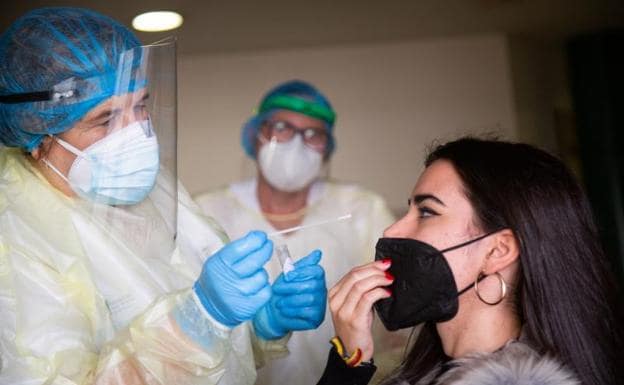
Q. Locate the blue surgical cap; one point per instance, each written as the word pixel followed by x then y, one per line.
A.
pixel 294 88
pixel 57 47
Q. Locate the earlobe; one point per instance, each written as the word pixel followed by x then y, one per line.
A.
pixel 40 152
pixel 505 251
pixel 36 153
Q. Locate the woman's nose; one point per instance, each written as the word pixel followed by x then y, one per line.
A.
pixel 397 229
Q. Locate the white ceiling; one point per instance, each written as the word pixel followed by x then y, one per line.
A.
pixel 241 25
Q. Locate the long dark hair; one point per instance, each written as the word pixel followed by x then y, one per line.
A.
pixel 566 295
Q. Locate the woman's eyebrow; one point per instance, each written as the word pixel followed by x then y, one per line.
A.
pixel 418 198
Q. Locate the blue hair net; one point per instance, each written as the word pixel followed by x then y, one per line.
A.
pixel 61 48
pixel 296 88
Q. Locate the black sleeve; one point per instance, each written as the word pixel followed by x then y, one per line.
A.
pixel 338 373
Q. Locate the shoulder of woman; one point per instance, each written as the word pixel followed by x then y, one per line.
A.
pixel 515 364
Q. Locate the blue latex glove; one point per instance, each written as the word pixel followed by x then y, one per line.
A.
pixel 296 304
pixel 233 285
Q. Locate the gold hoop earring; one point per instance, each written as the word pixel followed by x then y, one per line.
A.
pixel 503 285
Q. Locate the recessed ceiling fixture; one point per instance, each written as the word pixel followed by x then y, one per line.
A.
pixel 157 21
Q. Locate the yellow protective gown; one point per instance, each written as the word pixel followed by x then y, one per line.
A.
pixel 85 300
pixel 345 244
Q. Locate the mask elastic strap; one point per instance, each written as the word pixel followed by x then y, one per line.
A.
pixel 466 244
pixel 470 241
pixel 471 285
pixel 68 146
pixel 53 168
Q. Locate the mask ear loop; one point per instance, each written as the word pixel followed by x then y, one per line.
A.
pixel 481 276
pixel 470 241
pixel 53 168
pixel 66 146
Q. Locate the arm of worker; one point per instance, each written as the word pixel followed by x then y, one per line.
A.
pixel 59 331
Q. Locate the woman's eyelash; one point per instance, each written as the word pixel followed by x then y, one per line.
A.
pixel 426 212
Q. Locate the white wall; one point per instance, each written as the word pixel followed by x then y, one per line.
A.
pixel 392 101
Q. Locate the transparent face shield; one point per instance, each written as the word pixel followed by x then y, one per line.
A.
pixel 112 139
pixel 120 157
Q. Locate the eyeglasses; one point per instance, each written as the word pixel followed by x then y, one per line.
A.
pixel 282 131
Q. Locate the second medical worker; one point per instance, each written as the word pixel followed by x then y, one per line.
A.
pixel 291 139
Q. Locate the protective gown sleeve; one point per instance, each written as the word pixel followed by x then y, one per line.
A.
pixel 174 342
pixel 267 350
pixel 54 332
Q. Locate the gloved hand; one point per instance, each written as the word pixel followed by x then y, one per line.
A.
pixel 233 285
pixel 296 304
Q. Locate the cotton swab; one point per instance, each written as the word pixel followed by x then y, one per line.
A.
pixel 302 227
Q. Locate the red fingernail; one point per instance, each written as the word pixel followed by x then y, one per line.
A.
pixel 388 290
pixel 386 261
pixel 389 276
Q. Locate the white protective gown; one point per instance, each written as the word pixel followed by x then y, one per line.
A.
pixel 82 302
pixel 345 244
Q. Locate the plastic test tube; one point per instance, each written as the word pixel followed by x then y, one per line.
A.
pixel 283 255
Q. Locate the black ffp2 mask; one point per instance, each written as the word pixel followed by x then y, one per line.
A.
pixel 424 288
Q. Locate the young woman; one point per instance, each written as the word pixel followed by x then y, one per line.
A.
pixel 499 257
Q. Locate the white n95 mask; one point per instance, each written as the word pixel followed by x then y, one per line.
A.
pixel 119 169
pixel 289 166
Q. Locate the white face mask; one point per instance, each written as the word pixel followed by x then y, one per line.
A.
pixel 289 166
pixel 119 169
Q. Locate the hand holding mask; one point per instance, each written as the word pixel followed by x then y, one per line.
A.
pixel 351 301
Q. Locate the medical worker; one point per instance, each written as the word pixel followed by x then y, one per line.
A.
pixel 291 138
pixel 108 272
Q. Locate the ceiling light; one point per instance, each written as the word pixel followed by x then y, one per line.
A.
pixel 157 21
